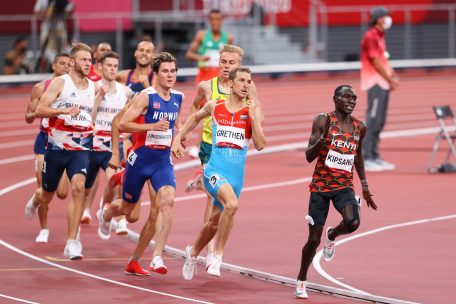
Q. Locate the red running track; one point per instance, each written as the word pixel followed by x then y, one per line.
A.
pixel 413 262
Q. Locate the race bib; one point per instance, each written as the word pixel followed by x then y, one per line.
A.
pixel 83 119
pixel 231 135
pixel 335 160
pixel 214 58
pixel 159 138
pixel 103 122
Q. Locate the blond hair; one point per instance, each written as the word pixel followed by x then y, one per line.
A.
pixel 231 48
pixel 79 46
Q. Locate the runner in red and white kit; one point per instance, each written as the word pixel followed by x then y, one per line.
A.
pixel 336 140
pixel 112 99
pixel 68 102
pixel 60 66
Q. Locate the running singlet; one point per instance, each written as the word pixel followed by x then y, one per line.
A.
pixel 44 125
pixel 207 121
pixel 108 108
pixel 334 168
pixel 157 109
pixel 210 47
pixel 231 133
pixel 137 87
pixel 72 132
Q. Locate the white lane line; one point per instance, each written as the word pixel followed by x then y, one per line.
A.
pixel 318 256
pixel 17 185
pixel 21 131
pixel 15 144
pixel 16 159
pixel 30 256
pixel 17 299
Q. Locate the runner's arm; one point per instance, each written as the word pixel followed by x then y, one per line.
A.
pixel 254 96
pixel 194 119
pixel 259 140
pixel 192 53
pixel 359 166
pixel 50 95
pixel 37 91
pixel 139 106
pixel 317 138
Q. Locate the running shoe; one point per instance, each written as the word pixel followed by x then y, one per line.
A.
pixel 193 152
pixel 134 268
pixel 104 227
pixel 73 250
pixel 30 209
pixel 86 217
pixel 157 265
pixel 384 164
pixel 214 267
pixel 193 183
pixel 370 165
pixel 189 268
pixel 42 236
pixel 330 247
pixel 300 291
pixel 122 227
pixel 209 259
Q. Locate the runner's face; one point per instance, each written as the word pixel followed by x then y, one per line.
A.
pixel 241 84
pixel 346 101
pixel 215 21
pixel 109 68
pixel 228 62
pixel 82 62
pixel 102 48
pixel 166 76
pixel 144 53
pixel 62 66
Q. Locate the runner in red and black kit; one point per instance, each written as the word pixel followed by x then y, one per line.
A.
pixel 95 70
pixel 336 140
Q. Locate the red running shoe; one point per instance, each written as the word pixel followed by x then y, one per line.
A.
pixel 134 268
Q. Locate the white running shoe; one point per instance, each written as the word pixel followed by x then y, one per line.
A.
pixel 384 164
pixel 157 265
pixel 330 247
pixel 193 152
pixel 209 259
pixel 122 227
pixel 214 267
pixel 73 250
pixel 30 209
pixel 370 165
pixel 78 238
pixel 42 236
pixel 104 227
pixel 300 291
pixel 189 268
pixel 86 217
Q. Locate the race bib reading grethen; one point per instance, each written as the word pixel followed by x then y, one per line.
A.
pixel 83 119
pixel 159 138
pixel 231 135
pixel 339 161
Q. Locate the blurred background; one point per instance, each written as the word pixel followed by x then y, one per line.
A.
pixel 275 31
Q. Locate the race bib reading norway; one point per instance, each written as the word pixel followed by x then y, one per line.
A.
pixel 335 160
pixel 159 138
pixel 83 119
pixel 230 135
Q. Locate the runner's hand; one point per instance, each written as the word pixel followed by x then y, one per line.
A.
pixel 368 198
pixel 161 125
pixel 114 162
pixel 176 149
pixel 254 112
pixel 73 111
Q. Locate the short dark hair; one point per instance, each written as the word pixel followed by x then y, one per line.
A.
pixel 56 58
pixel 160 58
pixel 234 72
pixel 110 54
pixel 214 11
pixel 340 88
